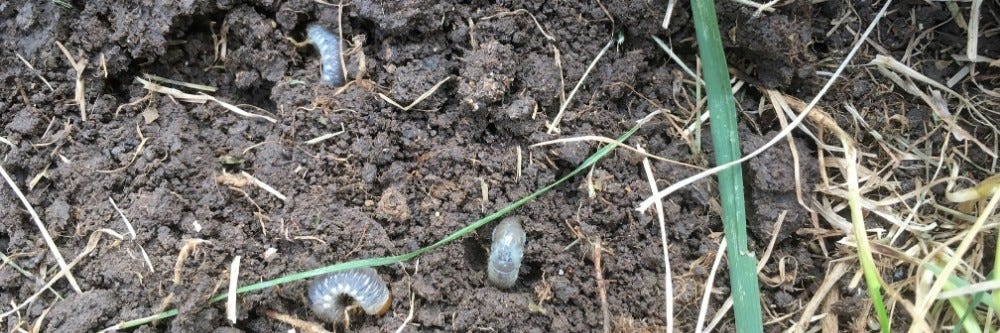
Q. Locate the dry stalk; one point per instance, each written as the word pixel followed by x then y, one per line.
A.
pixel 523 11
pixel 234 275
pixel 63 267
pixel 37 73
pixel 832 278
pixel 419 99
pixel 709 285
pixel 616 143
pixel 413 295
pixel 667 276
pixel 602 290
pixel 264 186
pixel 296 323
pixel 78 66
pixel 200 98
pixel 554 125
pixel 325 137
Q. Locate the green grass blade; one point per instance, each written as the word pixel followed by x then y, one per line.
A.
pixel 958 282
pixel 372 262
pixel 966 312
pixel 995 274
pixel 725 138
pixel 872 280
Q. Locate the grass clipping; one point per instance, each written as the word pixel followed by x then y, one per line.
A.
pixel 200 98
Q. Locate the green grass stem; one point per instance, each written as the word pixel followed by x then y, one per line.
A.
pixel 726 140
pixel 868 267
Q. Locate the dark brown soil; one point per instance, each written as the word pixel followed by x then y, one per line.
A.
pixel 398 180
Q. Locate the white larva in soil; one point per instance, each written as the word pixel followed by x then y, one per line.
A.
pixel 330 294
pixel 506 252
pixel 328 45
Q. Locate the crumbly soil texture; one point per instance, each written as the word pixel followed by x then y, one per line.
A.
pixel 389 179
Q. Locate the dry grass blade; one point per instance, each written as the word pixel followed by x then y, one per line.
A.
pixel 602 289
pixel 63 267
pixel 264 186
pixel 419 99
pixel 104 65
pixel 892 69
pixel 832 278
pixel 78 66
pixel 326 136
pixel 409 316
pixel 173 92
pixel 128 225
pixel 239 111
pixel 299 324
pixel 26 63
pixel 132 234
pixel 200 98
pixel 189 246
pixel 972 46
pixel 10 262
pixel 194 86
pixel 666 20
pixel 4 140
pixel 670 52
pixel 774 239
pixel 554 125
pixel 234 277
pixel 667 276
pixel 413 295
pixel 616 143
pixel 523 11
pixel 37 326
pixel 145 257
pixel 133 103
pixel 780 104
pixel 760 7
pixel 709 284
pixel 135 154
pixel 520 163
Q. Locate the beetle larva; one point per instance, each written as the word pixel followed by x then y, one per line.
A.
pixel 328 45
pixel 328 295
pixel 506 252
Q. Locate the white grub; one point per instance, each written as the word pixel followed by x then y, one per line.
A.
pixel 328 45
pixel 506 252
pixel 329 294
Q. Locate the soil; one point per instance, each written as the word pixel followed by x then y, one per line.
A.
pixel 397 180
